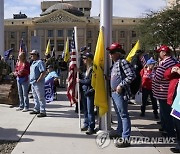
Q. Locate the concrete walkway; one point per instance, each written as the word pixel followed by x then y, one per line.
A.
pixel 58 133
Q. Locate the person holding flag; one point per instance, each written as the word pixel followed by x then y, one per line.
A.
pixel 122 74
pixel 88 91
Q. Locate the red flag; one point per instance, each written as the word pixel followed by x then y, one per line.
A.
pixel 72 75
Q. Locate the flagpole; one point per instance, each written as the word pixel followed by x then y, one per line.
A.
pixel 77 62
pixel 2 27
pixel 106 22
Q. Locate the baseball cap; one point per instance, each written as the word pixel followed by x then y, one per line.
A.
pixel 115 47
pixel 88 55
pixel 151 61
pixel 164 48
pixel 34 52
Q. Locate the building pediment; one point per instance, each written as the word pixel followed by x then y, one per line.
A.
pixel 59 16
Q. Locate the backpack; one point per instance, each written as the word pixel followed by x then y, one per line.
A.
pixel 135 84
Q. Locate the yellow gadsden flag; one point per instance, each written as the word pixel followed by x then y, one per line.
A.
pixel 98 81
pixel 66 53
pixel 48 48
pixel 133 51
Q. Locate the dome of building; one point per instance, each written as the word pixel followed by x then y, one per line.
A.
pixel 63 6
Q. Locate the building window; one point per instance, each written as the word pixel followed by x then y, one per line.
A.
pixel 13 46
pixel 23 35
pixel 12 35
pixel 81 9
pixel 122 45
pixel 70 32
pixel 50 33
pixel 60 45
pixel 122 34
pixel 113 34
pixel 89 34
pixel 32 33
pixel 60 33
pixel 90 46
pixel 133 34
pixel 133 44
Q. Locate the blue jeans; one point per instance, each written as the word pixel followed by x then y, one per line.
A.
pixel 38 92
pixel 121 109
pixel 166 118
pixel 23 94
pixel 89 117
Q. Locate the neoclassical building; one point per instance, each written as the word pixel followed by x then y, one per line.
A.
pixel 56 23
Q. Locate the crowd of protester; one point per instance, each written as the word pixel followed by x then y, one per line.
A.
pixel 157 79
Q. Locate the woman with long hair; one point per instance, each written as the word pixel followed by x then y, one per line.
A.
pixel 88 102
pixel 22 72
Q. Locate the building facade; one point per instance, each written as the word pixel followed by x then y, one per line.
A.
pixel 56 23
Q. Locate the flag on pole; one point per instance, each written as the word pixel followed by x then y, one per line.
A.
pixel 66 53
pixel 72 75
pixel 98 81
pixel 22 47
pixel 133 51
pixel 144 59
pixel 7 53
pixel 53 54
pixel 48 48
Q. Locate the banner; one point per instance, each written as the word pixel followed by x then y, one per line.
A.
pixel 175 114
pixel 176 103
pixel 49 90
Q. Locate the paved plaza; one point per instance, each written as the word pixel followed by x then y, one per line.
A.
pixel 59 133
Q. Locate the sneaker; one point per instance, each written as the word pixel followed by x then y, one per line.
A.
pixel 142 114
pixel 156 116
pixel 124 144
pixel 158 122
pixel 25 110
pixel 90 132
pixel 84 128
pixel 41 115
pixel 34 112
pixel 175 150
pixel 161 129
pixel 19 109
pixel 114 134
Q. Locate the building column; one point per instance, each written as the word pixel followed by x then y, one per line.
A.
pixel 2 27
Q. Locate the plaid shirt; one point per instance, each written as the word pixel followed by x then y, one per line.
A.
pixel 122 74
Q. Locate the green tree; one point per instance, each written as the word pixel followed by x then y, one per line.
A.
pixel 161 27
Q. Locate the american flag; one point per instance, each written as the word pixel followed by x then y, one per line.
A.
pixel 144 59
pixel 72 75
pixel 23 47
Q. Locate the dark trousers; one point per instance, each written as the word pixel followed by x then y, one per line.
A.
pixel 145 94
pixel 177 127
pixel 166 119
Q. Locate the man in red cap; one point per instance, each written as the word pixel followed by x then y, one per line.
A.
pixel 160 90
pixel 122 74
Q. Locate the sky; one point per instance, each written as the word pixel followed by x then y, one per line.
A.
pixel 121 8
